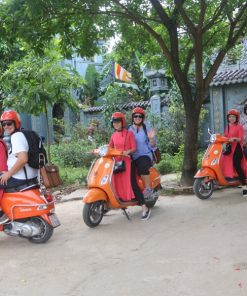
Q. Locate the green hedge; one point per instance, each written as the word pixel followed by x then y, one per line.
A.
pixel 73 154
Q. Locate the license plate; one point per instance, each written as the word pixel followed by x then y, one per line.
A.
pixel 54 220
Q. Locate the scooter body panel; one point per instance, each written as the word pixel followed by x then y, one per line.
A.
pixel 95 194
pixel 154 177
pixel 211 163
pixel 100 185
pixel 205 172
pixel 100 173
pixel 19 205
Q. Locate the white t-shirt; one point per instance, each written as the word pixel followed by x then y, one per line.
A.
pixel 19 144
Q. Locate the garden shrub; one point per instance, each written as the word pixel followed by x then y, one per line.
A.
pixel 73 154
pixel 74 175
pixel 165 167
pixel 171 163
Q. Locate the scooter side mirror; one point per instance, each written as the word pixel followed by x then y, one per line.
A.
pixel 209 131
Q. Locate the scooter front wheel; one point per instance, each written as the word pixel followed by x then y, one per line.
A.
pixel 202 189
pixel 93 213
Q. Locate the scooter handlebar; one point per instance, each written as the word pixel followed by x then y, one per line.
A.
pixel 106 150
pixel 218 138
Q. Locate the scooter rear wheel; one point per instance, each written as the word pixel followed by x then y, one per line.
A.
pixel 46 231
pixel 93 213
pixel 202 189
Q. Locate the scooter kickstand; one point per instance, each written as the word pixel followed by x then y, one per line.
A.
pixel 126 214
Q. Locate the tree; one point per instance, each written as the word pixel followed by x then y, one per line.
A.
pixel 10 50
pixel 34 83
pixel 91 86
pixel 183 32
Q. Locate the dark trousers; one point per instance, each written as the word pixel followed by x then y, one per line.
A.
pixel 237 157
pixel 14 183
pixel 137 191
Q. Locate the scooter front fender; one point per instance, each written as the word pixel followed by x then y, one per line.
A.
pixel 205 172
pixel 94 194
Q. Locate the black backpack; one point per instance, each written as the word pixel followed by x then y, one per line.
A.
pixel 37 156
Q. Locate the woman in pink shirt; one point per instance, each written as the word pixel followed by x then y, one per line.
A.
pixel 235 161
pixel 124 141
pixel 124 183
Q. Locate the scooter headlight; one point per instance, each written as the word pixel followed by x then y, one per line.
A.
pixel 103 150
pixel 213 138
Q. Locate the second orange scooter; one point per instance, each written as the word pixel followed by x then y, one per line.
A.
pixel 101 195
pixel 31 213
pixel 210 174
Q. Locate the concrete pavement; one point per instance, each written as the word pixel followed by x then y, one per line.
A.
pixel 189 247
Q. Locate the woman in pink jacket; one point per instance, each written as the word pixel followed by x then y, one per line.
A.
pixel 235 161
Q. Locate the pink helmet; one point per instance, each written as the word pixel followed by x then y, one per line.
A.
pixel 119 115
pixel 233 112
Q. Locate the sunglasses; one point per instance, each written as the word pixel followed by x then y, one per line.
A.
pixel 7 123
pixel 138 116
pixel 116 120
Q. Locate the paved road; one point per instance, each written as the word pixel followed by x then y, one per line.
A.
pixel 188 247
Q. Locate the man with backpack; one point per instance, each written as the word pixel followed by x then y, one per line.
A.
pixel 19 173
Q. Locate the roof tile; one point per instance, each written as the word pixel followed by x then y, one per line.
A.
pixel 230 77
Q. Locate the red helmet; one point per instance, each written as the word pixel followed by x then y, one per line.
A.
pixel 139 110
pixel 234 112
pixel 119 115
pixel 12 115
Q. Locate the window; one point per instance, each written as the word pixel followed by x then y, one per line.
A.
pixel 163 82
pixel 154 81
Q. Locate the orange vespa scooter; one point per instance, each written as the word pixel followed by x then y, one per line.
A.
pixel 31 213
pixel 210 174
pixel 101 196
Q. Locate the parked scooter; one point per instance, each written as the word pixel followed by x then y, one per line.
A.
pixel 31 213
pixel 210 173
pixel 101 196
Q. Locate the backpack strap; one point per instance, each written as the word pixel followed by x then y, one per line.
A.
pixel 145 131
pixel 25 171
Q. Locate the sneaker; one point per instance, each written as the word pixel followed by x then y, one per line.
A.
pixel 3 218
pixel 147 193
pixel 146 215
pixel 245 193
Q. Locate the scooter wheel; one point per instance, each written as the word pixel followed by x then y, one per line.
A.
pixel 202 189
pixel 46 231
pixel 93 213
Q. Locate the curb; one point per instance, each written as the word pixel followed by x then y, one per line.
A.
pixel 166 190
pixel 177 190
pixel 61 200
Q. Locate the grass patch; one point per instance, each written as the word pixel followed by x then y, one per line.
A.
pixel 72 175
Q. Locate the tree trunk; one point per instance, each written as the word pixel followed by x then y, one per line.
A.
pixel 189 167
pixel 48 135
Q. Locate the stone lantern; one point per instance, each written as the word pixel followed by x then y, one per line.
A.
pixel 158 84
pixel 158 81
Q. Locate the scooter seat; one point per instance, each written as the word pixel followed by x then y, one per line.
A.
pixel 23 187
pixel 234 179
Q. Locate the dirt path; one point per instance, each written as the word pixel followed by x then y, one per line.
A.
pixel 188 247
